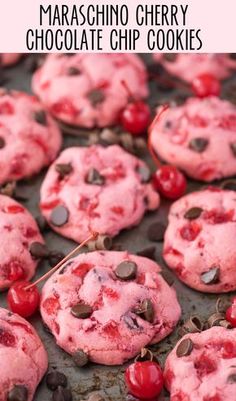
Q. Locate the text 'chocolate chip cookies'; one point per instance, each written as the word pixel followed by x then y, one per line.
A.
pixel 96 189
pixel 86 89
pixel 23 359
pixel 29 138
pixel 199 137
pixel 199 240
pixel 106 306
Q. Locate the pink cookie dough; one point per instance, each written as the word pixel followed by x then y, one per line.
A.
pixel 199 137
pixel 114 332
pixel 18 231
pixel 29 138
pixel 189 66
pixel 103 190
pixel 86 90
pixel 23 359
pixel 208 370
pixel 7 59
pixel 199 240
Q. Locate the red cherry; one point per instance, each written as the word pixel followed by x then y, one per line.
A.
pixel 135 118
pixel 231 314
pixel 144 379
pixel 22 301
pixel 170 182
pixel 206 85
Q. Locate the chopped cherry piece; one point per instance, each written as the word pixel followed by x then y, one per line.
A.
pixel 206 85
pixel 6 338
pixel 118 210
pixel 64 107
pixel 22 301
pixel 204 365
pixel 6 108
pixel 135 118
pixel 14 209
pixel 170 182
pixel 15 271
pixel 190 231
pixel 51 305
pixel 111 329
pixel 109 292
pixel 231 314
pixel 218 216
pixel 82 269
pixel 144 379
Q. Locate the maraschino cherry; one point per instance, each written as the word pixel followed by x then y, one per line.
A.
pixel 144 377
pixel 231 313
pixel 135 117
pixel 205 85
pixel 23 297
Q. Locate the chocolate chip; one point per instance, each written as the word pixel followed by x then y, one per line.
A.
pixel 231 378
pixel 63 169
pixel 226 324
pixel 8 189
pixel 193 213
pixel 215 319
pixel 38 250
pixel 139 145
pixel 40 117
pixel 171 57
pixel 146 310
pixel 192 325
pixel 184 348
pixel 56 379
pixel 72 71
pixel 94 177
pixel 18 393
pixel 168 124
pixel 59 216
pixel 103 242
pixel 42 223
pixel 2 142
pixel 131 322
pixel 168 277
pixel 233 148
pixel 198 144
pixel 62 394
pixel 80 358
pixel 96 97
pixel 229 184
pixel 148 252
pixel 81 311
pixel 156 232
pixel 126 270
pixel 211 276
pixel 127 141
pixel 55 257
pixel 109 136
pixel 144 172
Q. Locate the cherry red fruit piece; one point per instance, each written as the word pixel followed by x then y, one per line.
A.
pixel 190 231
pixel 23 301
pixel 170 182
pixel 7 338
pixel 135 118
pixel 206 85
pixel 231 314
pixel 144 379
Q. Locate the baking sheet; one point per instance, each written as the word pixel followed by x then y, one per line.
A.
pixel 108 381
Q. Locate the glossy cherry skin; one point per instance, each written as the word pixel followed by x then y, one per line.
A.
pixel 206 85
pixel 231 313
pixel 170 182
pixel 135 118
pixel 144 379
pixel 21 301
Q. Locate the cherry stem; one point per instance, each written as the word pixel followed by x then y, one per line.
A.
pixel 92 236
pixel 155 120
pixel 125 85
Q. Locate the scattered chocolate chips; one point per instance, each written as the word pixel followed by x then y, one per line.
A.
pixel 109 136
pixel 131 322
pixel 211 276
pixel 215 319
pixel 38 250
pixel 231 378
pixel 192 325
pixel 80 358
pixel 8 189
pixel 156 231
pixel 103 242
pixel 148 252
pixel 55 257
pixel 126 270
pixel 233 148
pixel 42 223
pixel 18 393
pixel 127 141
pixel 184 348
pixel 229 184
pixel 2 142
pixel 145 173
pixel 55 379
pixel 96 96
pixel 63 169
pixel 72 71
pixel 59 216
pixel 171 57
pixel 198 144
pixel 140 145
pixel 62 394
pixel 94 177
pixel 146 310
pixel 168 124
pixel 40 117
pixel 193 213
pixel 224 323
pixel 81 311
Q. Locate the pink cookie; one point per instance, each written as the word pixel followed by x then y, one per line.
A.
pixel 202 367
pixel 96 188
pixel 29 138
pixel 23 359
pixel 86 90
pixel 109 305
pixel 199 240
pixel 9 58
pixel 189 66
pixel 18 235
pixel 199 137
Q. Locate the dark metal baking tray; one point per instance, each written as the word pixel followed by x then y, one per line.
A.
pixel 108 381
